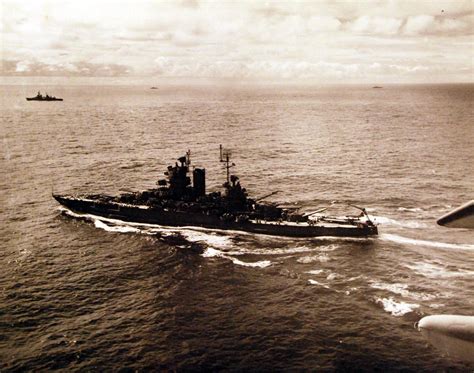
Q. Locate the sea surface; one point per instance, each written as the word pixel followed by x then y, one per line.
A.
pixel 96 294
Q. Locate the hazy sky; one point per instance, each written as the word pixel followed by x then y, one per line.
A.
pixel 320 41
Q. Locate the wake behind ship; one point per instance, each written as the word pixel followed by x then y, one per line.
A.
pixel 178 202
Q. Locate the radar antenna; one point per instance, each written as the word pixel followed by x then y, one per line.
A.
pixel 225 157
pixel 188 158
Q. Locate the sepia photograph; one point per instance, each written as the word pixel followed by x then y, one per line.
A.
pixel 237 186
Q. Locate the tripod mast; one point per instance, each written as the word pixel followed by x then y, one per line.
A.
pixel 225 157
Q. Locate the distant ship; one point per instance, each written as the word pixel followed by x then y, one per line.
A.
pixel 377 86
pixel 154 88
pixel 40 97
pixel 178 203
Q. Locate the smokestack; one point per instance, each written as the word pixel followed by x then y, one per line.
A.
pixel 199 182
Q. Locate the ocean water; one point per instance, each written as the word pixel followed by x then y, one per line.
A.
pixel 97 294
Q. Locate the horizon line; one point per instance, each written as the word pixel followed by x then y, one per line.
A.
pixel 141 80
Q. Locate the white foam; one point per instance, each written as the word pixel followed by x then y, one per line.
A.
pixel 410 209
pixel 402 289
pixel 167 234
pixel 396 308
pixel 351 290
pixel 315 272
pixel 23 254
pixel 322 258
pixel 383 220
pixel 102 219
pixel 110 228
pixel 332 276
pixel 209 239
pixel 329 248
pixel 286 257
pixel 355 278
pixel 437 305
pixel 260 264
pixel 394 288
pixel 314 282
pixel 211 252
pixel 272 251
pixel 283 251
pixel 431 270
pixel 412 241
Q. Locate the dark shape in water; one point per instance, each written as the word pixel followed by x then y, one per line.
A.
pixel 377 86
pixel 177 202
pixel 40 97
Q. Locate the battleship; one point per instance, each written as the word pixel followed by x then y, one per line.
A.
pixel 179 202
pixel 40 97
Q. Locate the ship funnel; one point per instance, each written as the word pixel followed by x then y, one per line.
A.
pixel 199 182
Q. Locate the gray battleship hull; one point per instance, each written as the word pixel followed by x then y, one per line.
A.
pixel 160 216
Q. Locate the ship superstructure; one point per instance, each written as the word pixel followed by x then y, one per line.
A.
pixel 181 200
